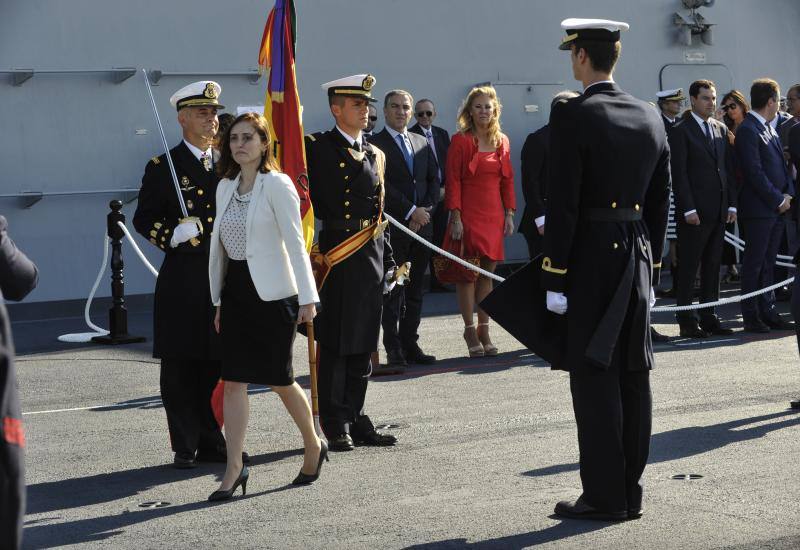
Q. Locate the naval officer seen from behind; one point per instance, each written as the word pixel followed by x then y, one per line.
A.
pixel 605 233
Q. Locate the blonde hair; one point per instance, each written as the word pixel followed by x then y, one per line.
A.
pixel 465 122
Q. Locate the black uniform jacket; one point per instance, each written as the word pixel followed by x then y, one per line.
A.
pixel 346 194
pixel 606 222
pixel 18 276
pixel 535 157
pixel 183 316
pixel 703 177
pixel 401 185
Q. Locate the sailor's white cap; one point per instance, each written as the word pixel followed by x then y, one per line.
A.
pixel 671 95
pixel 357 85
pixel 204 93
pixel 596 30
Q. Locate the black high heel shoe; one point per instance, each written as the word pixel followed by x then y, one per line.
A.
pixel 305 479
pixel 227 495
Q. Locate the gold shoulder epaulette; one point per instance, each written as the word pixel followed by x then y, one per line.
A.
pixel 155 160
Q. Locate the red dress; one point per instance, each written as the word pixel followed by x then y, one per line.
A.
pixel 481 185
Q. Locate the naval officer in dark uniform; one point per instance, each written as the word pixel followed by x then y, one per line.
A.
pixel 602 249
pixel 346 185
pixel 183 337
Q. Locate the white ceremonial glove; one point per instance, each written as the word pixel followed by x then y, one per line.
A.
pixel 389 282
pixel 557 302
pixel 652 297
pixel 183 232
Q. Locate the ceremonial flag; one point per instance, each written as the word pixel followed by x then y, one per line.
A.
pixel 282 107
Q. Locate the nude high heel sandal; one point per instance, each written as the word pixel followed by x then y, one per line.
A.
pixel 476 350
pixel 488 348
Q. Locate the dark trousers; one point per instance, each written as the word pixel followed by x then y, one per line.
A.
pixel 186 388
pixel 342 383
pixel 795 307
pixel 763 237
pixel 700 245
pixel 788 245
pixel 613 411
pixel 439 222
pixel 400 330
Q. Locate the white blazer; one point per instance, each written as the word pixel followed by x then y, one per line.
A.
pixel 276 253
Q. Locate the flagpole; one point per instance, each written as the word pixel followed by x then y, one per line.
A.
pixel 312 369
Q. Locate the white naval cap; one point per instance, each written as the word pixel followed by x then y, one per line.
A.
pixel 357 85
pixel 671 95
pixel 204 93
pixel 596 30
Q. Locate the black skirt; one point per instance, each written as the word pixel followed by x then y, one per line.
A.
pixel 257 336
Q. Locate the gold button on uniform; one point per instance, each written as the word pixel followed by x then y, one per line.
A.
pixel 616 246
pixel 199 191
pixel 346 190
pixel 210 219
pixel 636 207
pixel 347 203
pixel 347 216
pixel 613 205
pixel 347 178
pixel 341 165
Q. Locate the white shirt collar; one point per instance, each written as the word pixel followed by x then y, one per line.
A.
pixel 700 121
pixel 596 83
pixel 759 118
pixel 350 139
pixel 198 153
pixel 671 120
pixel 394 133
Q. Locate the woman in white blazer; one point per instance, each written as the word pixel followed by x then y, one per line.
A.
pixel 263 287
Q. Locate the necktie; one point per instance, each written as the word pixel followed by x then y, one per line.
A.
pixel 406 153
pixel 708 133
pixel 356 146
pixel 204 158
pixel 429 135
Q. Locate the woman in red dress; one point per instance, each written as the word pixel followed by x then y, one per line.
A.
pixel 479 194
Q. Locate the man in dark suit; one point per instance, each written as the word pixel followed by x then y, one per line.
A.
pixel 534 166
pixel 18 276
pixel 766 193
pixel 439 140
pixel 606 222
pixel 412 191
pixel 183 335
pixel 346 185
pixel 705 197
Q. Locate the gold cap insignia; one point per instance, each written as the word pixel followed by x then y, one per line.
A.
pixel 211 91
pixel 368 82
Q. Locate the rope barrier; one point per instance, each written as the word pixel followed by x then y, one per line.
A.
pixel 98 331
pixel 80 337
pixel 729 237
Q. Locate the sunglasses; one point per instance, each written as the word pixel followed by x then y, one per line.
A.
pixel 425 113
pixel 373 118
pixel 729 106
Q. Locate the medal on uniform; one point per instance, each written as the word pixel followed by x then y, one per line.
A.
pixel 184 181
pixel 189 205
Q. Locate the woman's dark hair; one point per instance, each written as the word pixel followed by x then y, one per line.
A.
pixel 738 98
pixel 229 168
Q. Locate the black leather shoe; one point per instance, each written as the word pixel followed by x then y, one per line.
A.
pixel 307 479
pixel 777 323
pixel 184 461
pixel 341 442
pixel 581 510
pixel 692 330
pixel 795 404
pixel 244 475
pixel 395 358
pixel 376 439
pixel 756 326
pixel 415 355
pixel 656 336
pixel 383 370
pixel 635 513
pixel 712 325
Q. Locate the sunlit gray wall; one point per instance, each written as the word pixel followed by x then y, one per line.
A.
pixel 78 132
